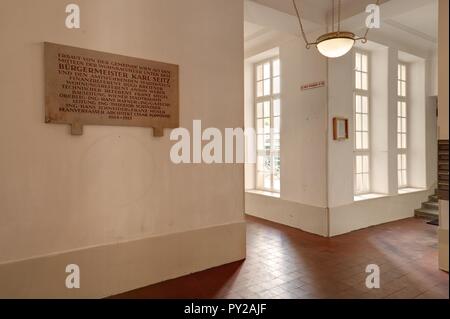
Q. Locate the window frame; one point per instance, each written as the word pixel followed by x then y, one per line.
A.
pixel 367 151
pixel 403 151
pixel 272 153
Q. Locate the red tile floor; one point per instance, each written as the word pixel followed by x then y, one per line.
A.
pixel 284 262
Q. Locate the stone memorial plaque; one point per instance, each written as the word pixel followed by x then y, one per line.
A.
pixel 85 87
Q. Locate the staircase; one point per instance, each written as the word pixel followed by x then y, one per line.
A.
pixel 429 209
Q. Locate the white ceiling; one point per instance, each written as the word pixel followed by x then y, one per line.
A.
pixel 411 22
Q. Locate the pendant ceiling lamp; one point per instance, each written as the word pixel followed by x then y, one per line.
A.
pixel 335 43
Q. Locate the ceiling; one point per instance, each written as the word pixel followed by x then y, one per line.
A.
pixel 411 22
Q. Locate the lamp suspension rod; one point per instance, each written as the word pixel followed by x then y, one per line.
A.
pixel 308 44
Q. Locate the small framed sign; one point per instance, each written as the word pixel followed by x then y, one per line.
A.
pixel 340 129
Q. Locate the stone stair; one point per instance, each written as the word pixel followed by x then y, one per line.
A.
pixel 429 209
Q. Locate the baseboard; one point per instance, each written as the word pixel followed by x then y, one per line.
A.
pixel 304 217
pixel 366 213
pixel 112 269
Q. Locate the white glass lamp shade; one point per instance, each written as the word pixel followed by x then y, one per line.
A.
pixel 334 45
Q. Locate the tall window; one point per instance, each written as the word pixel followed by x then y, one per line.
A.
pixel 402 126
pixel 268 112
pixel 361 124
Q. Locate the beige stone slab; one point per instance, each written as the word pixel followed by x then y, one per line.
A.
pixel 86 87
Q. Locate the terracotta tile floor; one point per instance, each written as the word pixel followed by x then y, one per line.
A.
pixel 284 262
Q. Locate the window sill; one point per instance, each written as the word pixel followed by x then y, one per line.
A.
pixel 359 198
pixel 263 193
pixel 409 190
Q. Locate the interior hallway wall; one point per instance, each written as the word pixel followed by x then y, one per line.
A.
pixel 61 195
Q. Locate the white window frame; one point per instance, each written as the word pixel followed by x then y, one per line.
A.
pixel 402 151
pixel 362 152
pixel 273 152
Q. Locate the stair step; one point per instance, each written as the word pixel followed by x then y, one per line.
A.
pixel 426 213
pixel 431 205
pixel 433 198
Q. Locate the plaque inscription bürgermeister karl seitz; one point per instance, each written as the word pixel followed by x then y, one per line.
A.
pixel 85 87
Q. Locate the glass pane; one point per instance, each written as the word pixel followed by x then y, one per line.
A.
pixel 404 141
pixel 358 141
pixel 266 87
pixel 259 89
pixel 276 164
pixel 403 89
pixel 404 109
pixel 358 104
pixel 365 105
pixel 359 183
pixel 276 142
pixel 399 88
pixel 399 108
pixel 276 183
pixel 365 141
pixel 276 68
pixel 358 80
pixel 365 122
pixel 399 125
pixel 358 164
pixel 358 61
pixel 260 142
pixel 399 72
pixel 267 165
pixel 267 181
pixel 267 142
pixel 260 126
pixel 276 108
pixel 259 73
pixel 267 109
pixel 259 163
pixel 366 164
pixel 267 126
pixel 365 83
pixel 358 122
pixel 399 140
pixel 364 63
pixel 276 124
pixel 266 70
pixel 259 110
pixel 276 85
pixel 404 127
pixel 366 182
pixel 403 72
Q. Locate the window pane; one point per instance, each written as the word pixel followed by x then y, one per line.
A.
pixel 366 183
pixel 403 73
pixel 276 124
pixel 267 165
pixel 276 108
pixel 358 122
pixel 276 68
pixel 358 80
pixel 267 109
pixel 358 61
pixel 266 87
pixel 399 140
pixel 365 140
pixel 259 89
pixel 267 125
pixel 403 89
pixel 399 125
pixel 358 104
pixel 366 164
pixel 358 164
pixel 365 105
pixel 259 110
pixel 358 141
pixel 276 85
pixel 259 73
pixel 267 142
pixel 276 182
pixel 260 163
pixel 266 70
pixel 365 123
pixel 364 63
pixel 404 109
pixel 364 81
pixel 260 126
pixel 267 181
pixel 260 142
pixel 276 142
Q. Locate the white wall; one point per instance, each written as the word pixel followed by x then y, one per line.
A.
pixel 58 192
